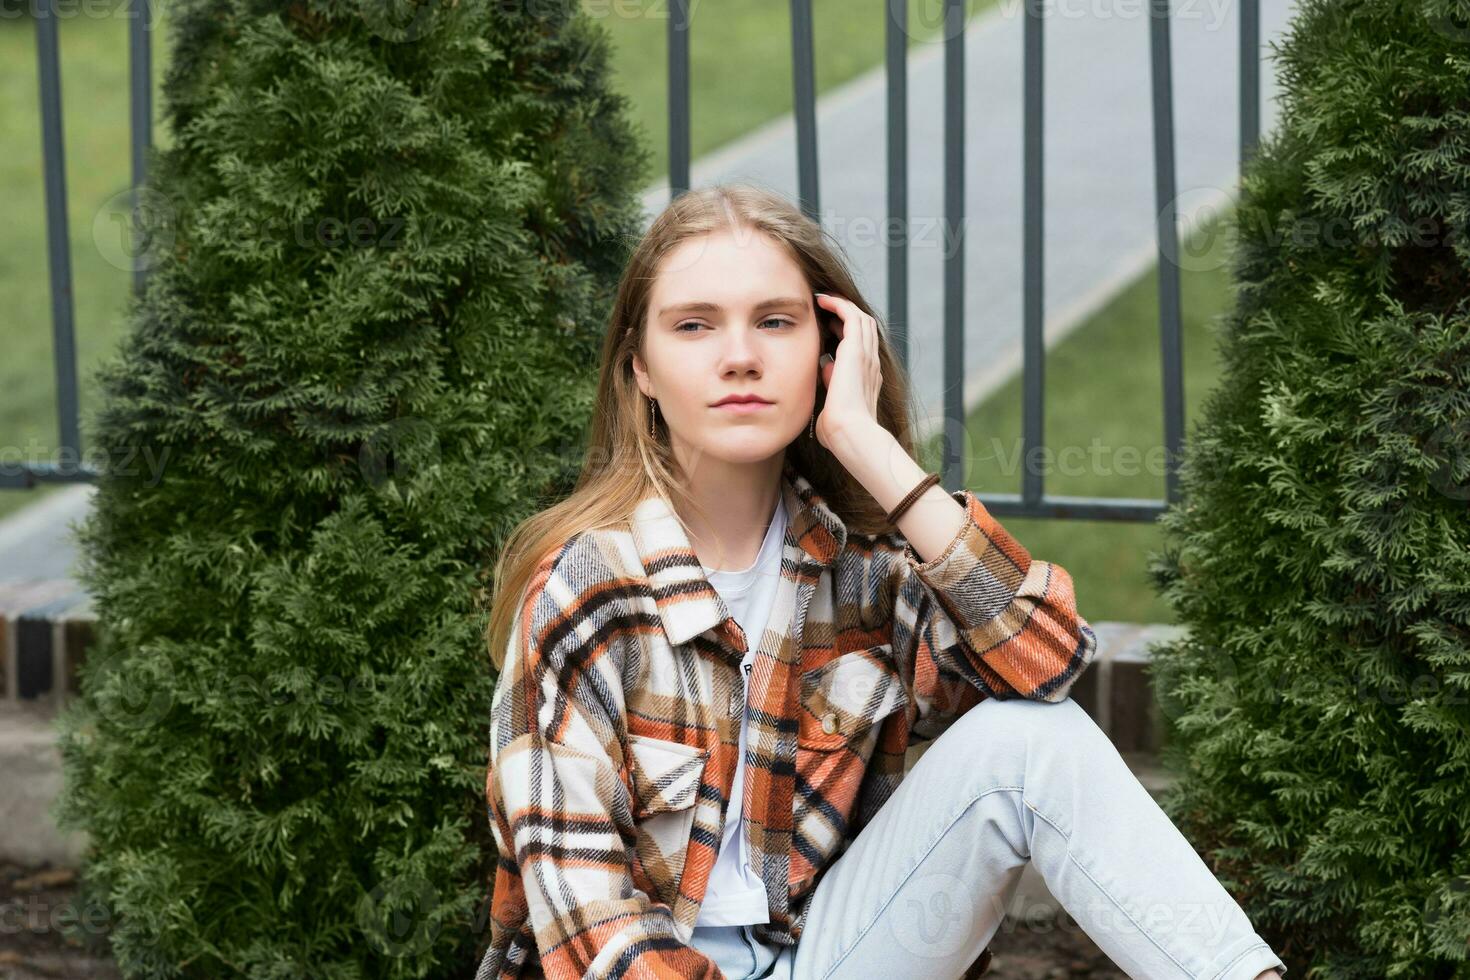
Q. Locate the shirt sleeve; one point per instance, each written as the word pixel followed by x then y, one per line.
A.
pixel 985 612
pixel 560 803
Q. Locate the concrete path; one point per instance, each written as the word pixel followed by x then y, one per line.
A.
pixel 1098 195
pixel 36 542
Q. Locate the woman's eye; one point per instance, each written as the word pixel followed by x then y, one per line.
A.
pixel 779 321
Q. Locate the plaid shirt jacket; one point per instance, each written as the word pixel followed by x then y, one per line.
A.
pixel 615 720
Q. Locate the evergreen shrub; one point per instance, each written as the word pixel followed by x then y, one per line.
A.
pixel 1320 556
pixel 380 252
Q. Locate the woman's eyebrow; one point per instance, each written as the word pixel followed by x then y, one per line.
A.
pixel 779 302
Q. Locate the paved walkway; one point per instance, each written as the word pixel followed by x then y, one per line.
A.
pixel 1098 196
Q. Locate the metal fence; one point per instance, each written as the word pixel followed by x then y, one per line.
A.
pixel 1032 500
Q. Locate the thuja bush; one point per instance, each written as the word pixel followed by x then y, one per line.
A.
pixel 1319 699
pixel 379 254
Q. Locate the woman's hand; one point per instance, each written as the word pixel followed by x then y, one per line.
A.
pixel 853 380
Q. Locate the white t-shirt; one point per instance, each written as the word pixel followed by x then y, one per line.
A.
pixel 735 894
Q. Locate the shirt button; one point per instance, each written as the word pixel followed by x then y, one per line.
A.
pixel 829 723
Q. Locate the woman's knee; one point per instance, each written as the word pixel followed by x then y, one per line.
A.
pixel 1031 726
pixel 1005 743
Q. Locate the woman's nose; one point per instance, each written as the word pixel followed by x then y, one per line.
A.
pixel 739 348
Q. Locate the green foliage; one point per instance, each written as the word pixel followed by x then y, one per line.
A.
pixel 316 435
pixel 1320 703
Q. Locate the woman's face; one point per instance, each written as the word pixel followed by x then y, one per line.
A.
pixel 730 314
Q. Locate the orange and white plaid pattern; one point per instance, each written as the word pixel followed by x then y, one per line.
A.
pixel 615 720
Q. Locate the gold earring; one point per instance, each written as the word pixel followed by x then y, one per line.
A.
pixel 652 411
pixel 811 429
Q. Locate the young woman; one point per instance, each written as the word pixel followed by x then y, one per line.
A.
pixel 716 652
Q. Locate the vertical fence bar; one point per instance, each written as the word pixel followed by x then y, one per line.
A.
pixel 1250 78
pixel 679 134
pixel 58 243
pixel 803 77
pixel 1033 365
pixel 1170 340
pixel 953 469
pixel 896 71
pixel 140 107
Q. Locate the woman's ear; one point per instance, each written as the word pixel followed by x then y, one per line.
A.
pixel 640 374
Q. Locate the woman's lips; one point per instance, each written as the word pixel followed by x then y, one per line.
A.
pixel 742 407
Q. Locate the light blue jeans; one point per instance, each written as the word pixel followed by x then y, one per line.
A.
pixel 923 888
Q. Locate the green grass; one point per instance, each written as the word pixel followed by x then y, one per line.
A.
pixel 740 64
pixel 93 52
pixel 1104 387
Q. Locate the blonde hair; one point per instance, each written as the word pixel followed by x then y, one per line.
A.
pixel 610 486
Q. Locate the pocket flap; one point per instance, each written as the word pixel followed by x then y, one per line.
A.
pixel 845 696
pixel 665 774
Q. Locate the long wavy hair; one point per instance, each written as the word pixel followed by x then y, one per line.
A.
pixel 624 462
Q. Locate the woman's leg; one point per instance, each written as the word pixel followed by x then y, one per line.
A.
pixel 735 950
pixel 923 887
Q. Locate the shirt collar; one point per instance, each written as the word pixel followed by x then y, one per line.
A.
pixel 687 603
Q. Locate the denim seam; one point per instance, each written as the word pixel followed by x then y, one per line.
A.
pixel 1243 953
pixel 755 960
pixel 910 873
pixel 1067 837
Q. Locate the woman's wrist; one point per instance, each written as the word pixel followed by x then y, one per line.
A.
pixel 856 445
pixel 876 460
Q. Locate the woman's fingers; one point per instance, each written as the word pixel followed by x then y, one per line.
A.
pixel 863 326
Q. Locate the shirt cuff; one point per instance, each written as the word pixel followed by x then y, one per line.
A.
pixel 981 570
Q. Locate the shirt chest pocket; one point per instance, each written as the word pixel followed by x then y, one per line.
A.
pixel 665 777
pixel 844 698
